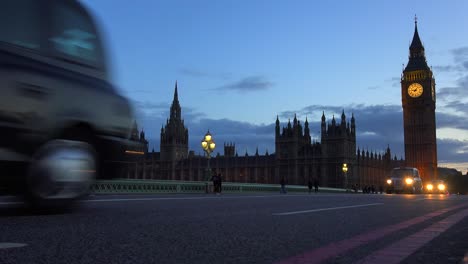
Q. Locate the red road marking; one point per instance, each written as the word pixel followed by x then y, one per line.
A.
pixel 405 247
pixel 319 255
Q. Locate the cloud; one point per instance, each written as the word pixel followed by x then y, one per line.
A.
pixel 452 150
pixel 460 57
pixel 248 84
pixel 450 95
pixel 445 68
pixel 460 54
pixel 151 106
pixel 395 81
pixel 193 72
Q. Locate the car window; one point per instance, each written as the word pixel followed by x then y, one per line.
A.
pixel 400 173
pixel 73 35
pixel 20 23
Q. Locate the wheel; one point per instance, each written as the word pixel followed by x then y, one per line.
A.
pixel 60 172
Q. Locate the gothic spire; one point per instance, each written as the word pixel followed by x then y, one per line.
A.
pixel 176 95
pixel 417 58
pixel 416 44
pixel 175 107
pixel 277 126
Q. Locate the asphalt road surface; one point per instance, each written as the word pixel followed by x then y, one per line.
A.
pixel 248 228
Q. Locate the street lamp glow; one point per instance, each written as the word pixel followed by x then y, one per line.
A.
pixel 208 146
pixel 345 170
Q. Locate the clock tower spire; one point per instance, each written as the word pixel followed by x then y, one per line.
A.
pixel 419 103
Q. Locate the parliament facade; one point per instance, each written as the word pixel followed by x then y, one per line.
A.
pixel 297 159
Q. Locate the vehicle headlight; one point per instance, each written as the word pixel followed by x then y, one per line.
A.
pixel 441 187
pixel 429 187
pixel 409 181
pixel 389 181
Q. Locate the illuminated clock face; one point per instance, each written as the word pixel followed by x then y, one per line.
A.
pixel 415 90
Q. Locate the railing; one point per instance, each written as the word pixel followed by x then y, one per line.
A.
pixel 125 186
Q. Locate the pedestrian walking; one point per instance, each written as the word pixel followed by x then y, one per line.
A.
pixel 316 185
pixel 214 179
pixel 220 183
pixel 283 185
pixel 310 186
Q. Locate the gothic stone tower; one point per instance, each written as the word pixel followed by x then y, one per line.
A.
pixel 292 147
pixel 419 103
pixel 338 147
pixel 174 136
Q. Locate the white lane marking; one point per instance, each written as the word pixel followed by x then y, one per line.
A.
pixel 10 203
pixel 327 209
pixel 421 199
pixel 11 245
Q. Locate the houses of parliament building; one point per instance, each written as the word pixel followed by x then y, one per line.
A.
pixel 297 159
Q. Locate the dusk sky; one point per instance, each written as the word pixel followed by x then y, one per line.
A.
pixel 239 64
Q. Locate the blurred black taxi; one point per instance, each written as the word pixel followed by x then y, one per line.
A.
pixel 60 117
pixel 404 180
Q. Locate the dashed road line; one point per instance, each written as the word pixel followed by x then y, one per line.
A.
pixel 7 245
pixel 10 203
pixel 327 209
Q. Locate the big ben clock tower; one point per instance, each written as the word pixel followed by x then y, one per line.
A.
pixel 419 103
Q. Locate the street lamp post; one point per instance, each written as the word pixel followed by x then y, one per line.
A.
pixel 208 146
pixel 345 170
